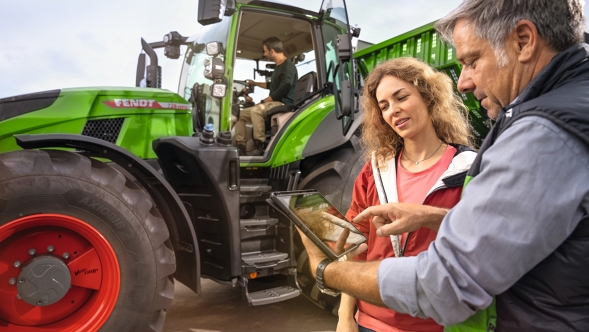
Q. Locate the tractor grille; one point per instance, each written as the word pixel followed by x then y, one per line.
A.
pixel 107 130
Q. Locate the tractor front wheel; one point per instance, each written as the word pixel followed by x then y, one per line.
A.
pixel 82 248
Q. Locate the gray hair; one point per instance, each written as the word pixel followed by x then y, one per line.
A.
pixel 561 23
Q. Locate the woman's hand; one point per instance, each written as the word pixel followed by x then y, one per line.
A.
pixel 346 325
pixel 346 322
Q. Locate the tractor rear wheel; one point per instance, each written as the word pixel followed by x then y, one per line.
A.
pixel 82 248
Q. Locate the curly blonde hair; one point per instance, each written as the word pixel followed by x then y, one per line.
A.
pixel 448 114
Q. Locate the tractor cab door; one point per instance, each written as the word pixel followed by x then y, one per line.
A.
pixel 339 59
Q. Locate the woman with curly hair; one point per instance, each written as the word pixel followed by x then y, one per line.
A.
pixel 418 145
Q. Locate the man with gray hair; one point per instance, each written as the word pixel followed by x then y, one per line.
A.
pixel 518 241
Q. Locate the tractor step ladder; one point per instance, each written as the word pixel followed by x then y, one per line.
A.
pixel 257 231
pixel 273 295
pixel 254 187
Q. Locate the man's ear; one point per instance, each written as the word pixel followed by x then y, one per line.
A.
pixel 525 35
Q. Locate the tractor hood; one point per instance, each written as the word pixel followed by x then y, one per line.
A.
pixel 93 101
pixel 127 116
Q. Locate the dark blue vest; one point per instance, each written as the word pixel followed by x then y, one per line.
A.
pixel 554 295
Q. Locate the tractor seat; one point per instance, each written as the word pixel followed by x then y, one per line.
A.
pixel 305 88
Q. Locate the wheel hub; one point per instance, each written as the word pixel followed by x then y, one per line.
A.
pixel 43 280
pixel 52 268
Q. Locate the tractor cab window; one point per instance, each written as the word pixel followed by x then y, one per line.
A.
pixel 250 64
pixel 195 86
pixel 261 71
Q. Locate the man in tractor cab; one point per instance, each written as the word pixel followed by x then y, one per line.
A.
pixel 282 87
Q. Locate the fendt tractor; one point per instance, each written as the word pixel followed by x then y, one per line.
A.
pixel 108 195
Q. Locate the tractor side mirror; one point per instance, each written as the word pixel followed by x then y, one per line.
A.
pixel 212 11
pixel 344 47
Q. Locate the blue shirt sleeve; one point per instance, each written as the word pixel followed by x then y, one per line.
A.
pixel 531 193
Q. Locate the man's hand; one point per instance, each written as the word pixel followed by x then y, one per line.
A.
pixel 398 218
pixel 340 245
pixel 364 283
pixel 316 255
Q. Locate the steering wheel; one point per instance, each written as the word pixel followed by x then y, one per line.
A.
pixel 242 88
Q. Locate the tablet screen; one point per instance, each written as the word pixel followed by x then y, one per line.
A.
pixel 322 218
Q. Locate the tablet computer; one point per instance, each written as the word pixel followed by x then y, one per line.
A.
pixel 318 219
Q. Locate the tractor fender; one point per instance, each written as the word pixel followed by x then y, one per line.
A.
pixel 182 234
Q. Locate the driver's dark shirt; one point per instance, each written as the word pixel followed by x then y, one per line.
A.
pixel 284 82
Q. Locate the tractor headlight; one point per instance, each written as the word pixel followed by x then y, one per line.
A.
pixel 214 48
pixel 218 90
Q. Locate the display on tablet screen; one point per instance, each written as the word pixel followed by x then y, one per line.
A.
pixel 321 218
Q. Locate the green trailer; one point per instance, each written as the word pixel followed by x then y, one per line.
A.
pixel 424 43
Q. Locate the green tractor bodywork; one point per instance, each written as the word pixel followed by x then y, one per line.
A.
pixel 177 148
pixel 128 117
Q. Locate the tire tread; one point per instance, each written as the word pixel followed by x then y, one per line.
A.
pixel 28 163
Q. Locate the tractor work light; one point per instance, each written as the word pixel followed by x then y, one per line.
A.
pixel 214 68
pixel 173 38
pixel 214 48
pixel 172 51
pixel 218 90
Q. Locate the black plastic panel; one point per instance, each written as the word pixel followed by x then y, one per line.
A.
pixel 22 104
pixel 206 178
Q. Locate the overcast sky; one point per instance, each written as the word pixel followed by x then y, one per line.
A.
pixel 50 44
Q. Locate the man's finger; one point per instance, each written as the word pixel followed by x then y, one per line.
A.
pixel 361 248
pixel 369 212
pixel 389 229
pixel 341 241
pixel 378 222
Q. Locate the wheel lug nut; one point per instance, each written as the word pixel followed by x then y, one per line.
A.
pixel 12 281
pixel 22 280
pixel 50 248
pixel 18 296
pixel 40 302
pixel 32 251
pixel 66 255
pixel 16 264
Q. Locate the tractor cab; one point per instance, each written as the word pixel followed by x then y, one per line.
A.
pixel 228 51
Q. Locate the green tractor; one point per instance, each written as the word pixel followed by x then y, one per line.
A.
pixel 109 194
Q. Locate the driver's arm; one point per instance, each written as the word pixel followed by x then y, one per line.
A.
pixel 258 84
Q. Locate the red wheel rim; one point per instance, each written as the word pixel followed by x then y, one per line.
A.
pixel 93 267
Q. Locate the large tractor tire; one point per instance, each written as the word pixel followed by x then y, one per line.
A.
pixel 82 248
pixel 333 175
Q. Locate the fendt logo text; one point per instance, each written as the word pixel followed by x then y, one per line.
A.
pixel 145 103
